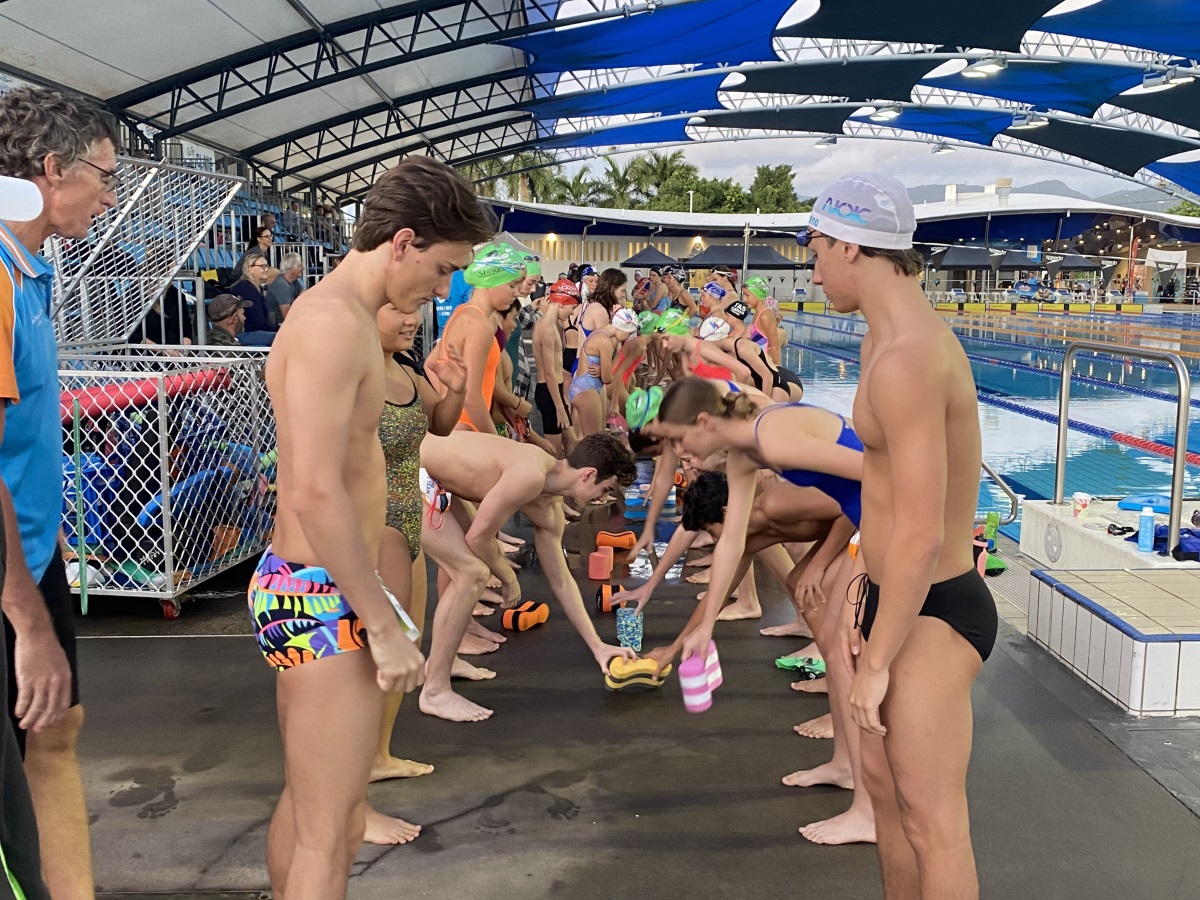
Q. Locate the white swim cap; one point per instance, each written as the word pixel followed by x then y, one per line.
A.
pixel 624 320
pixel 871 210
pixel 714 329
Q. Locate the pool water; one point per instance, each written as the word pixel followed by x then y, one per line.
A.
pixel 1019 362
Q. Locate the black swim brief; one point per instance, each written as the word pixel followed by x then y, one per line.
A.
pixel 544 401
pixel 964 603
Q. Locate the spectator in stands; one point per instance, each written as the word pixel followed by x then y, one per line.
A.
pixel 227 316
pixel 286 287
pixel 168 322
pixel 67 147
pixel 260 330
pixel 294 223
pixel 263 239
pixel 268 221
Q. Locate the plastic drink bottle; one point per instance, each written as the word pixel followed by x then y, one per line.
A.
pixel 989 530
pixel 697 694
pixel 1146 530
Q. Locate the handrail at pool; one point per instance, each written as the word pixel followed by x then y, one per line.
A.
pixel 1182 413
pixel 1013 500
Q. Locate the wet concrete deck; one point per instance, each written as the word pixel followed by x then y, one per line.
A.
pixel 572 792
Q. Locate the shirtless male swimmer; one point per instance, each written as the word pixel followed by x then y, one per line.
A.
pixel 319 609
pixel 928 621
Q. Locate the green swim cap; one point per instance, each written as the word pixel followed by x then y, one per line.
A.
pixel 494 266
pixel 672 322
pixel 642 406
pixel 758 287
pixel 647 321
pixel 533 266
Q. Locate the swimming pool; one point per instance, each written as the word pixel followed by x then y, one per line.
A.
pixel 1017 363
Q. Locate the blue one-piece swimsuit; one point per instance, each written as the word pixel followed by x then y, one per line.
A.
pixel 846 491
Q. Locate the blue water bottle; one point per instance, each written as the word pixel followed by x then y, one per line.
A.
pixel 1146 530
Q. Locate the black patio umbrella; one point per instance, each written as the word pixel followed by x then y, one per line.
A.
pixel 647 258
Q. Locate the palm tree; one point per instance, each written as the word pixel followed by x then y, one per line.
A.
pixel 578 190
pixel 531 176
pixel 618 187
pixel 654 168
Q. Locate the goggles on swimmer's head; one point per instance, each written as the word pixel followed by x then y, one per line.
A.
pixel 642 406
pixel 585 272
pixel 533 266
pixel 806 235
pixel 647 321
pixel 672 322
pixel 714 290
pixel 495 266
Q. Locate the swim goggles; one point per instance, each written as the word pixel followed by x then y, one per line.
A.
pixel 757 286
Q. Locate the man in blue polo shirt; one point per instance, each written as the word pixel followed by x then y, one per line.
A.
pixel 67 148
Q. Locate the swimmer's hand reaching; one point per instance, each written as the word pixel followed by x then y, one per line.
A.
pixel 510 591
pixel 638 596
pixel 806 588
pixel 662 656
pixel 449 368
pixel 606 653
pixel 400 663
pixel 695 642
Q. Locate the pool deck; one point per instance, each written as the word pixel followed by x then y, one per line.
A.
pixel 572 792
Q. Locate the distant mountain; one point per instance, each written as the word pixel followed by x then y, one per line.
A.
pixel 1137 198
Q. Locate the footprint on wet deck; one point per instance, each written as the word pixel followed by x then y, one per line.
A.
pixel 492 823
pixel 152 789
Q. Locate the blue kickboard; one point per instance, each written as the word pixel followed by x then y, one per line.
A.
pixel 1160 503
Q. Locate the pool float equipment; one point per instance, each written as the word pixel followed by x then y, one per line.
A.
pixel 526 616
pixel 600 564
pixel 623 540
pixel 1160 503
pixel 630 624
pixel 631 673
pixel 606 598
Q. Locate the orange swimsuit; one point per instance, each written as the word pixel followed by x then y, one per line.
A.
pixel 489 370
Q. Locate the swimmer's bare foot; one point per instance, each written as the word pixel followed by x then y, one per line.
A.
pixel 703 540
pixel 509 539
pixel 740 610
pixel 452 707
pixel 812 651
pixel 491 597
pixel 398 768
pixel 475 646
pixel 820 727
pixel 482 609
pixel 838 776
pixel 702 563
pixel 700 596
pixel 816 686
pixel 476 629
pixel 700 577
pixel 795 628
pixel 851 827
pixel 463 669
pixel 386 830
pixel 494 583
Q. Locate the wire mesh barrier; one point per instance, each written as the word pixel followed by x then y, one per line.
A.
pixel 168 468
pixel 107 282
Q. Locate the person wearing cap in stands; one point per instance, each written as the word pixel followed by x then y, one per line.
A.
pixel 227 315
pixel 21 202
pixel 495 275
pixel 66 147
pixel 927 620
pixel 678 295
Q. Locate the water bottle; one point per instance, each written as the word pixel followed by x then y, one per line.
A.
pixel 990 529
pixel 1146 530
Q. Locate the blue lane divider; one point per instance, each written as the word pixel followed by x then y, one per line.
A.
pixel 1047 373
pixel 1162 367
pixel 991 398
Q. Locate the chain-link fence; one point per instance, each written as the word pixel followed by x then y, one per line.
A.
pixel 168 468
pixel 107 282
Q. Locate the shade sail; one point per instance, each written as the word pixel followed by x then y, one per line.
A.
pixel 868 78
pixel 979 126
pixel 1070 85
pixel 1169 26
pixel 1116 148
pixel 665 97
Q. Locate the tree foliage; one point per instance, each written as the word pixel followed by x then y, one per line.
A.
pixel 1185 208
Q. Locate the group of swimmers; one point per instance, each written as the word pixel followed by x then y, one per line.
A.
pixel 384 458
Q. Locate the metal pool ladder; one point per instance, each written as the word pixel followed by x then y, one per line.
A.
pixel 1182 411
pixel 1014 502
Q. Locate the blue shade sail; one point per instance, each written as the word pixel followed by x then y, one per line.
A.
pixel 1184 174
pixel 1125 151
pixel 953 22
pixel 865 78
pixel 654 131
pixel 670 97
pixel 978 126
pixel 1168 26
pixel 700 32
pixel 1074 87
